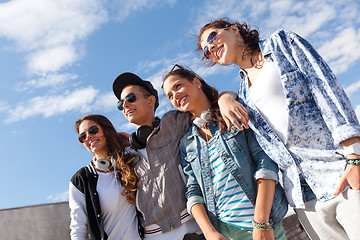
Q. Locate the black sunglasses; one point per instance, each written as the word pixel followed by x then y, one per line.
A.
pixel 131 98
pixel 181 68
pixel 210 39
pixel 92 130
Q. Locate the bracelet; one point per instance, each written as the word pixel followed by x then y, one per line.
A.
pixel 262 226
pixel 353 161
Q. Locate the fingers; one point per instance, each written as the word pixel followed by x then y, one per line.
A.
pixel 245 116
pixel 340 187
pixel 227 122
pixel 240 114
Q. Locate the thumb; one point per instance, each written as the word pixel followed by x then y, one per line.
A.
pixel 340 187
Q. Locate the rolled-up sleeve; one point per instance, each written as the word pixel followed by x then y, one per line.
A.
pixel 327 91
pixel 266 168
pixel 193 190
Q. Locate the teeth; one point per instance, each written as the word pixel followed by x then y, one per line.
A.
pixel 218 52
pixel 182 101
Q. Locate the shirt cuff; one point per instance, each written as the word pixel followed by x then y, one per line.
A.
pixel 192 201
pixel 266 174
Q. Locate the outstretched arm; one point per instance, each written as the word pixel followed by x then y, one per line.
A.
pixel 232 111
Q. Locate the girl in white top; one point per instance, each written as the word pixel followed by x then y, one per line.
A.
pixel 102 194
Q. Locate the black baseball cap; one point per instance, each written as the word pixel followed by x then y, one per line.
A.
pixel 129 78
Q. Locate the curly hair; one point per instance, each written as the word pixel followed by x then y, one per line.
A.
pixel 210 92
pixel 123 159
pixel 250 36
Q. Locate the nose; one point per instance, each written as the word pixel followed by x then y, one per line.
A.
pixel 211 47
pixel 125 104
pixel 176 95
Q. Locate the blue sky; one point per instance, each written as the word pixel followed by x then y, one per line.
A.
pixel 58 60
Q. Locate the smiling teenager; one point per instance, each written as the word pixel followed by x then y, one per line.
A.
pixel 232 186
pixel 160 196
pixel 102 194
pixel 161 185
pixel 301 117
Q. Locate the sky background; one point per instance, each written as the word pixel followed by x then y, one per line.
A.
pixel 59 58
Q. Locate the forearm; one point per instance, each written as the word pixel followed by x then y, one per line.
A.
pixel 264 200
pixel 232 111
pixel 200 215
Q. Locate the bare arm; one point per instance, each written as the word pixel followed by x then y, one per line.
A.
pixel 231 109
pixel 199 213
pixel 351 175
pixel 264 200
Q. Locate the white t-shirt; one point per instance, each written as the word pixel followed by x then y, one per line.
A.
pixel 119 216
pixel 268 96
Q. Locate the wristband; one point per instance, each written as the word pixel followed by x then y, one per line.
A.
pixel 353 161
pixel 262 226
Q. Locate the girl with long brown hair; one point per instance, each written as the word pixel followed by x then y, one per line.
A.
pixel 102 194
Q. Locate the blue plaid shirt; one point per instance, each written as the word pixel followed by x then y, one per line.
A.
pixel 319 118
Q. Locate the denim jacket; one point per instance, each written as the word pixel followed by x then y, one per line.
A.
pixel 319 118
pixel 245 160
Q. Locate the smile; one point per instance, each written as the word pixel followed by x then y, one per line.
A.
pixel 92 143
pixel 219 51
pixel 182 100
pixel 128 113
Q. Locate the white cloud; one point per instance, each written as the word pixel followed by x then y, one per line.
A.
pixel 47 106
pixel 60 197
pixel 4 106
pixel 352 88
pixel 49 31
pixel 52 59
pixel 46 81
pixel 126 127
pixel 124 8
pixel 343 50
pixel 105 102
pixel 357 110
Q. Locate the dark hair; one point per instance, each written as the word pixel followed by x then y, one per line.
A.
pixel 117 151
pixel 210 92
pixel 250 36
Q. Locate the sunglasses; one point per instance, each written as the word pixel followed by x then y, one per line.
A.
pixel 131 98
pixel 210 39
pixel 92 130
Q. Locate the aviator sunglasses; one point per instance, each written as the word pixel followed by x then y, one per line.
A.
pixel 92 130
pixel 210 39
pixel 131 98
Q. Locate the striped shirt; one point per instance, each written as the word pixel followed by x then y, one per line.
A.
pixel 232 205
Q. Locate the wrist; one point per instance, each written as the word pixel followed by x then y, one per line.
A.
pixel 261 225
pixel 353 161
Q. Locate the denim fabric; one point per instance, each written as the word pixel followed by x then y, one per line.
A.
pixel 319 118
pixel 243 157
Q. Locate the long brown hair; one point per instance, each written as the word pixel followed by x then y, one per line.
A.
pixel 250 36
pixel 117 151
pixel 210 92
